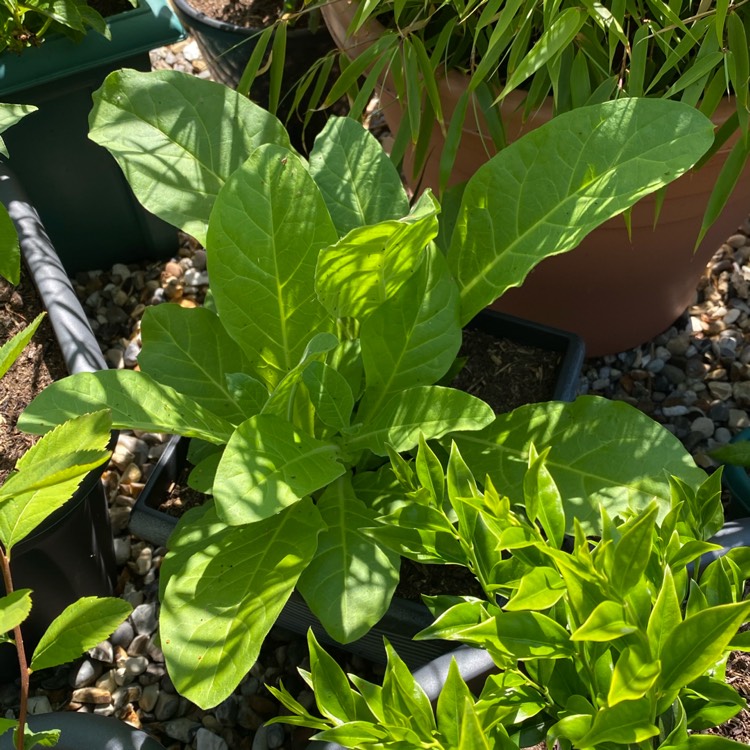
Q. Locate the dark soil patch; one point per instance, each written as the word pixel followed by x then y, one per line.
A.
pixel 504 373
pixel 252 15
pixel 40 364
pixel 108 8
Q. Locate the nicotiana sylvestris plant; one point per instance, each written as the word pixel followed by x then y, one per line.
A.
pixel 335 311
pixel 618 641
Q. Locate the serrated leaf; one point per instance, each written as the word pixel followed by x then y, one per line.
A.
pixel 356 178
pixel 268 465
pixel 451 705
pixel 11 350
pixel 633 551
pixel 263 244
pixel 49 473
pixel 77 628
pixel 597 161
pixel 349 583
pixel 177 165
pixel 665 616
pixel 333 693
pixel 222 588
pixel 543 500
pixel 14 609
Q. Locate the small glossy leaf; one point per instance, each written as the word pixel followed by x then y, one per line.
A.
pixel 430 472
pixel 626 722
pixel 665 616
pixel 633 677
pixel 77 628
pixel 606 623
pixel 539 589
pixel 633 551
pixel 696 644
pixel 543 500
pixel 268 465
pixel 333 693
pixel 450 705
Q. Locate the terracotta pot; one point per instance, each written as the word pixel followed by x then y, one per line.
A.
pixel 613 290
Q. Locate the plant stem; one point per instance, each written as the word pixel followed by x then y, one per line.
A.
pixel 21 651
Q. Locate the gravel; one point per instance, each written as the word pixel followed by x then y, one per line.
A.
pixel 693 378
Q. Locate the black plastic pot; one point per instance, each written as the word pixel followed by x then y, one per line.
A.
pixel 79 731
pixel 227 47
pixel 404 618
pixel 84 200
pixel 71 554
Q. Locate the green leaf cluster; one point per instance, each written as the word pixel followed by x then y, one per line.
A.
pixel 613 641
pixel 44 479
pixel 333 316
pixel 26 24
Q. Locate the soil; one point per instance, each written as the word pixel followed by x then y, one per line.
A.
pixel 108 8
pixel 505 373
pixel 253 15
pixel 39 364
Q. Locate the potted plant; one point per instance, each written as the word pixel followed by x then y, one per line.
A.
pixel 476 79
pixel 70 554
pixel 239 44
pixel 588 637
pixel 303 400
pixel 75 186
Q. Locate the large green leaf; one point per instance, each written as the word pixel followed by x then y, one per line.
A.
pixel 267 465
pixel 189 350
pixel 350 581
pixel 222 590
pixel 431 410
pixel 543 194
pixel 136 401
pixel 265 233
pixel 49 473
pixel 78 627
pixel 359 183
pixel 413 337
pixel 370 263
pixel 625 722
pixel 178 138
pixel 601 452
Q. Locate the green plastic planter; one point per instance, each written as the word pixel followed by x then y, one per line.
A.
pixel 89 210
